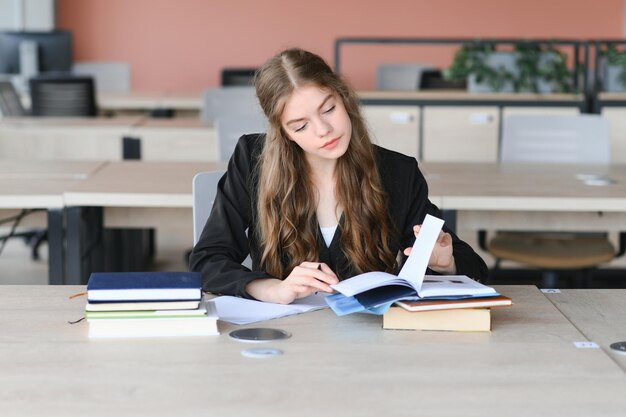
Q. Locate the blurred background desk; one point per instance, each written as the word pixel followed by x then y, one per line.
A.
pixel 65 138
pixel 40 185
pixel 137 194
pixel 532 197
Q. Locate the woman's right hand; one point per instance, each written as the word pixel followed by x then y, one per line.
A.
pixel 304 280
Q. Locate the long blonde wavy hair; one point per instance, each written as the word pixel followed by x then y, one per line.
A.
pixel 287 228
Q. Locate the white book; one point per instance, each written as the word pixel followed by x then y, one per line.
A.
pixel 205 325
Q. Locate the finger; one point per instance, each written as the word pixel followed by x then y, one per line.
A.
pixel 444 239
pixel 416 229
pixel 310 277
pixel 310 265
pixel 328 271
pixel 407 251
pixel 325 274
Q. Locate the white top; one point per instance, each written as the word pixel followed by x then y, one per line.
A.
pixel 328 233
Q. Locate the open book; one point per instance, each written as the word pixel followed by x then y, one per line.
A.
pixel 374 289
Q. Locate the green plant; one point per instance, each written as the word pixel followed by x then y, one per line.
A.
pixel 534 62
pixel 471 59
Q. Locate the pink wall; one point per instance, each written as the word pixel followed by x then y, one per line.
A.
pixel 181 45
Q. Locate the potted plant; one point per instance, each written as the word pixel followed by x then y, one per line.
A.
pixel 529 67
pixel 613 69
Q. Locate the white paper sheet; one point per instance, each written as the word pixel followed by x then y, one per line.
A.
pixel 243 311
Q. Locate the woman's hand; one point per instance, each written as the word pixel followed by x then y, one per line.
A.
pixel 304 280
pixel 441 259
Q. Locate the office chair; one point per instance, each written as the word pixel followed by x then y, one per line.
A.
pixel 63 96
pixel 230 128
pixel 582 139
pixel 238 76
pixel 234 111
pixel 432 79
pixel 10 104
pixel 400 77
pixel 204 190
pixel 108 76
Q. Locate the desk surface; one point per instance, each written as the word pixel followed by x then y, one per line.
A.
pixel 598 314
pixel 455 186
pixel 124 122
pixel 527 366
pixel 472 186
pixel 138 100
pixel 40 184
pixel 139 184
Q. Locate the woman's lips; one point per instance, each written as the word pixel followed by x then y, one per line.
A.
pixel 331 143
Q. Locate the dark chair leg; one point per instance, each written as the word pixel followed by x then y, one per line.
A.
pixel 38 238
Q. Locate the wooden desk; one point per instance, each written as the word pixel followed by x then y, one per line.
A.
pixel 40 185
pixel 530 197
pixel 527 366
pixel 65 138
pixel 150 100
pixel 176 139
pixel 128 194
pixel 598 314
pixel 476 196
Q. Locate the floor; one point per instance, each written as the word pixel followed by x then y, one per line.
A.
pixel 17 267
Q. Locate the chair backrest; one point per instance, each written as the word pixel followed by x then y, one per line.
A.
pixel 400 76
pixel 230 128
pixel 63 96
pixel 555 139
pixel 204 189
pixel 10 104
pixel 238 76
pixel 229 101
pixel 111 77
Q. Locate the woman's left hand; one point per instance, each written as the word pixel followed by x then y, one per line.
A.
pixel 441 259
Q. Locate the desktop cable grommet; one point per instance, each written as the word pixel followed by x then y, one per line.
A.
pixel 261 352
pixel 259 334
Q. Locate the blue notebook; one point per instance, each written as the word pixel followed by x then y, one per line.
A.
pixel 144 286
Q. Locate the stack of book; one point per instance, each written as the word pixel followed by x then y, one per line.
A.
pixel 148 304
pixel 466 314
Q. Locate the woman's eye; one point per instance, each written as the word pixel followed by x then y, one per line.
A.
pixel 301 128
pixel 329 110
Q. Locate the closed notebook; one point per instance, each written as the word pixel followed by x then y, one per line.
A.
pixel 144 286
pixel 109 328
pixel 462 320
pixel 429 305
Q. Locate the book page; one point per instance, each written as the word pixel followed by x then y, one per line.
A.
pixel 366 281
pixel 415 266
pixel 453 285
pixel 412 272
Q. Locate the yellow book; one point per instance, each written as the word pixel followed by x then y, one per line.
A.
pixel 461 320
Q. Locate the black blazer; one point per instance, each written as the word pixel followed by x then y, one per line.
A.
pixel 224 242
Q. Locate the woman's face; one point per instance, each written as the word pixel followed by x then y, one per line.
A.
pixel 316 119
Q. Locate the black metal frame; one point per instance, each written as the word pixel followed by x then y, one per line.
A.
pixel 599 46
pixel 579 48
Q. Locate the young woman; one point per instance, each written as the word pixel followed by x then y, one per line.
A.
pixel 313 201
